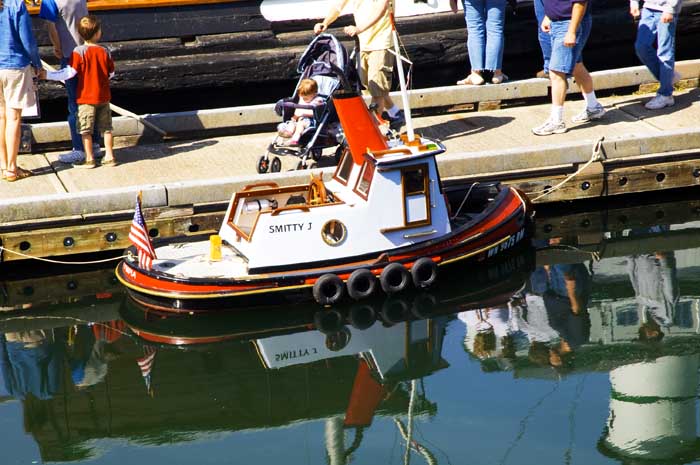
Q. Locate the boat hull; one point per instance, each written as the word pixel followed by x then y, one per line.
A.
pixel 493 233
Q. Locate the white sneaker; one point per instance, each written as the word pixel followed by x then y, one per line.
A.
pixel 589 114
pixel 659 102
pixel 550 127
pixel 74 156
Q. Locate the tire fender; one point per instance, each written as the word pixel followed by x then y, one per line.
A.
pixel 394 278
pixel 329 289
pixel 361 284
pixel 424 273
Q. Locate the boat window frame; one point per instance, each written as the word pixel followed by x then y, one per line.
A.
pixel 426 189
pixel 365 166
pixel 346 156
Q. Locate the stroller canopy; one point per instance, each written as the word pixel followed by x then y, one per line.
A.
pixel 323 51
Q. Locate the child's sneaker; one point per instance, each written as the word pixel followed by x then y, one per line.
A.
pixel 659 102
pixel 74 156
pixel 550 127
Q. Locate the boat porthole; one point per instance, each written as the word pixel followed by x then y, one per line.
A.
pixel 696 172
pixel 111 237
pixel 660 177
pixel 68 241
pixel 334 233
pixel 585 185
pixel 24 246
pixel 153 232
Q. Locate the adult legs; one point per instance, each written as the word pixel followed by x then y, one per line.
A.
pixel 544 38
pixel 495 20
pixel 666 55
pixel 475 17
pixel 646 36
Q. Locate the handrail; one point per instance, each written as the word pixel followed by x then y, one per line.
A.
pixel 250 187
pixel 381 153
pixel 277 211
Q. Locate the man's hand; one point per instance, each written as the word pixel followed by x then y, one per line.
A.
pixel 453 6
pixel 667 18
pixel 546 24
pixel 634 11
pixel 570 39
pixel 319 28
pixel 352 31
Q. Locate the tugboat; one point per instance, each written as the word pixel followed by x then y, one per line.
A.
pixel 383 220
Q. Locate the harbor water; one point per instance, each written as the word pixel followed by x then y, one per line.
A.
pixel 582 349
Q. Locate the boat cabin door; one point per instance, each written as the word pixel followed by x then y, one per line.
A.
pixel 415 182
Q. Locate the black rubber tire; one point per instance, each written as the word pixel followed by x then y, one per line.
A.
pixel 361 284
pixel 316 154
pixel 329 289
pixel 423 305
pixel 362 316
pixel 394 278
pixel 263 164
pixel 394 310
pixel 328 321
pixel 276 165
pixel 424 273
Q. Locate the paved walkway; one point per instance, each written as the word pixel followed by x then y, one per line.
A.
pixel 234 156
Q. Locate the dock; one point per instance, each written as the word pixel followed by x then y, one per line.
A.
pixel 187 179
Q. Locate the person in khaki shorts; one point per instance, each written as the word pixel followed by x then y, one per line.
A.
pixel 373 26
pixel 93 65
pixel 19 64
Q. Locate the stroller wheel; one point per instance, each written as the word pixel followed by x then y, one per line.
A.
pixel 263 164
pixel 313 165
pixel 316 154
pixel 301 165
pixel 276 165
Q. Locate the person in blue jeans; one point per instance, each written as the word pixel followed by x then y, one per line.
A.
pixel 569 24
pixel 543 38
pixel 658 24
pixel 485 21
pixel 63 17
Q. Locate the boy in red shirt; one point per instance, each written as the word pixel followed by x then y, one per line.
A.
pixel 93 65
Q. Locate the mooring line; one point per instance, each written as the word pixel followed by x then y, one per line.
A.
pixel 595 156
pixel 59 262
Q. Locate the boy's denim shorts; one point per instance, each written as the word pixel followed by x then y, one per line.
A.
pixel 565 58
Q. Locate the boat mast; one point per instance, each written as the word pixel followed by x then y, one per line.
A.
pixel 402 81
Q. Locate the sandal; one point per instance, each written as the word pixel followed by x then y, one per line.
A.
pixel 18 173
pixel 499 78
pixel 472 80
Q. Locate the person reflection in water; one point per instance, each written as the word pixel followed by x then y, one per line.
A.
pixel 554 313
pixel 90 352
pixel 30 363
pixel 653 277
pixel 491 337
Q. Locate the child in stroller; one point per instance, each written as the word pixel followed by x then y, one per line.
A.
pixel 302 117
pixel 309 127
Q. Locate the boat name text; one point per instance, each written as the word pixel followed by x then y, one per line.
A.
pixel 296 353
pixel 507 244
pixel 291 227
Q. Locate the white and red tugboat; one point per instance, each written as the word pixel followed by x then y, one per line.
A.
pixel 384 220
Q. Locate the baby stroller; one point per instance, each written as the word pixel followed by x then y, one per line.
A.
pixel 325 61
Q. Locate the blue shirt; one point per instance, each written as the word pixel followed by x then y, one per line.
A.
pixel 560 10
pixel 17 44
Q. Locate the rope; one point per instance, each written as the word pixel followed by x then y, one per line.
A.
pixel 59 262
pixel 595 156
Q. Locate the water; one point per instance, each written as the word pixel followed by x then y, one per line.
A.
pixel 535 360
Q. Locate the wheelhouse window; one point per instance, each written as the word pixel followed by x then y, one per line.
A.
pixel 342 174
pixel 416 194
pixel 365 179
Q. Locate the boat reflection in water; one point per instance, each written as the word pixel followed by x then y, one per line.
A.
pixel 612 326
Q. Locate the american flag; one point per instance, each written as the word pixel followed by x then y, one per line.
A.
pixel 146 366
pixel 138 235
